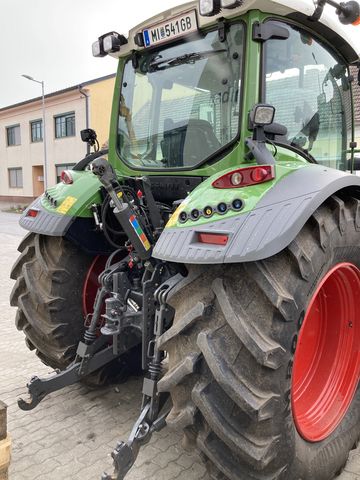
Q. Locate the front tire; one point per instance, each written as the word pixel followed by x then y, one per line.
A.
pixel 232 349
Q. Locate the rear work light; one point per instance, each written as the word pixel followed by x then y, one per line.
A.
pixel 98 49
pixel 66 177
pixel 113 42
pixel 213 238
pixel 109 43
pixel 244 177
pixel 231 3
pixel 208 8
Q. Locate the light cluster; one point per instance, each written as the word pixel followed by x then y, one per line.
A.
pixel 209 211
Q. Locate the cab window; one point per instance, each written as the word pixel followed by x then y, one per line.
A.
pixel 309 87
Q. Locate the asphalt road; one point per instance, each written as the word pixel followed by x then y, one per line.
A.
pixel 9 224
pixel 70 434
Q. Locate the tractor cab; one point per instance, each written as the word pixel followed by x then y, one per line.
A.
pixel 180 104
pixel 188 79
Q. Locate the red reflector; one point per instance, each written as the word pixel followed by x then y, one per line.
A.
pixel 66 177
pixel 32 213
pixel 244 177
pixel 357 22
pixel 213 238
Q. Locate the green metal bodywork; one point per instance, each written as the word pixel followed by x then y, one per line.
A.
pixel 76 199
pixel 206 195
pixel 86 187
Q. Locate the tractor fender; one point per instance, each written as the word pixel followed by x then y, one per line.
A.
pixel 65 211
pixel 266 230
pixel 45 222
pixel 61 205
pixel 73 200
pixel 79 230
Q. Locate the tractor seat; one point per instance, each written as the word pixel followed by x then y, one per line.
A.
pixel 188 144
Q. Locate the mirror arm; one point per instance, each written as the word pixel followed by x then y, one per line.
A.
pixel 315 17
pixel 348 12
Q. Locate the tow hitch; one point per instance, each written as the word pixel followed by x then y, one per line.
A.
pixel 135 291
pixel 155 405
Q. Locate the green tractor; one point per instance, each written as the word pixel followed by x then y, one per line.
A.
pixel 217 247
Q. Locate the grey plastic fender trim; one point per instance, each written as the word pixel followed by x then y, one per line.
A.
pixel 45 223
pixel 269 228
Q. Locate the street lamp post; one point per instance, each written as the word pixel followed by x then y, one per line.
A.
pixel 44 125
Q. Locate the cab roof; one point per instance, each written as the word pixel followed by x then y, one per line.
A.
pixel 344 38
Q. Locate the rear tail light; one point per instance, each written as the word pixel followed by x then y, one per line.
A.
pixel 259 175
pixel 66 177
pixel 244 177
pixel 32 213
pixel 213 238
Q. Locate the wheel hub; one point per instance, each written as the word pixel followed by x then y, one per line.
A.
pixel 91 283
pixel 327 359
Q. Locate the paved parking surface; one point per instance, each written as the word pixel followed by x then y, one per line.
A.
pixel 69 435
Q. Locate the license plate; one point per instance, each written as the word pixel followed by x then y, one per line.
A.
pixel 175 28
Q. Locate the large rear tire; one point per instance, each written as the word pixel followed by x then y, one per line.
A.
pixel 55 284
pixel 236 392
pixel 50 274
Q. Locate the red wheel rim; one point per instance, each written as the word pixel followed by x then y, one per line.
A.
pixel 327 360
pixel 91 283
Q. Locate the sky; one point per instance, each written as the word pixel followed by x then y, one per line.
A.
pixel 51 40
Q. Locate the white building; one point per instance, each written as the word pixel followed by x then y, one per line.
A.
pixel 21 136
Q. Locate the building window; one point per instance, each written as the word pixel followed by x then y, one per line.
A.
pixel 36 131
pixel 13 135
pixel 65 125
pixel 15 178
pixel 61 168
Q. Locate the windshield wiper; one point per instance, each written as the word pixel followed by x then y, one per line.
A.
pixel 181 60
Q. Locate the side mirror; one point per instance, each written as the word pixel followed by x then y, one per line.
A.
pixel 89 136
pixel 354 166
pixel 349 13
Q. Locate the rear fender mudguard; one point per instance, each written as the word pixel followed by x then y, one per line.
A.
pixel 62 204
pixel 264 231
pixel 46 223
pixel 65 211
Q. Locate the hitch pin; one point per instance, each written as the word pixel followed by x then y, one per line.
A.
pixel 95 213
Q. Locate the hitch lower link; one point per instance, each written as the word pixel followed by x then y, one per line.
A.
pixel 39 388
pixel 155 406
pixel 92 354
